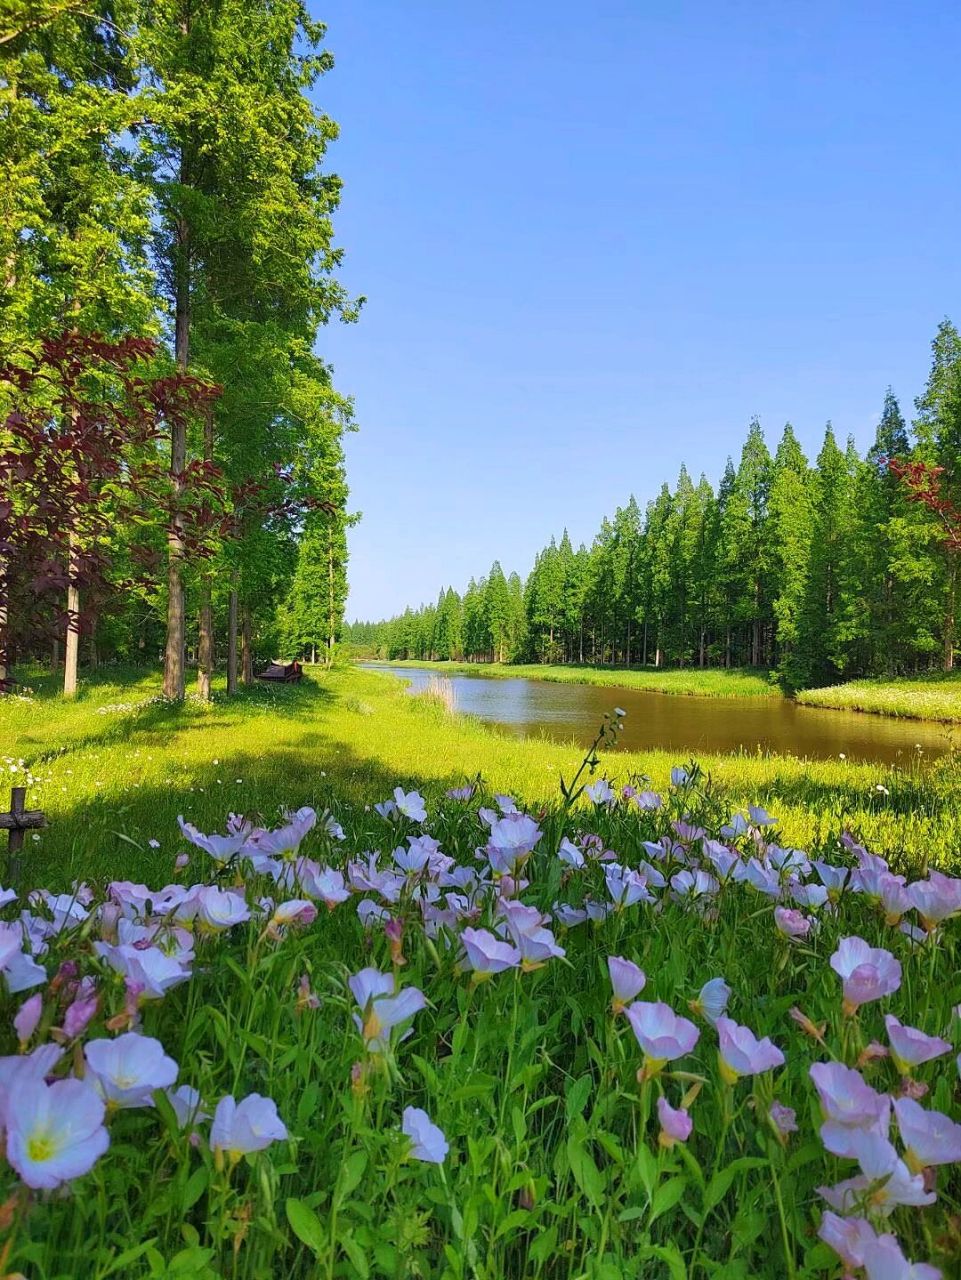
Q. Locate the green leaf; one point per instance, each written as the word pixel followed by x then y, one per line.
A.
pixel 350 1174
pixel 720 1184
pixel 667 1196
pixel 196 1186
pixel 305 1225
pixel 577 1096
pixel 670 1254
pixel 586 1173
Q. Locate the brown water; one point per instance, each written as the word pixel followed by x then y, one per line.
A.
pixel 687 725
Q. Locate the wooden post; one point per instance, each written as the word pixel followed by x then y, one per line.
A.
pixel 17 821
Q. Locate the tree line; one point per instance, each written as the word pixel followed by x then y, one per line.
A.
pixel 820 571
pixel 171 446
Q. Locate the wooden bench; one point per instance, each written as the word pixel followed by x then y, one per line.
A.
pixel 282 672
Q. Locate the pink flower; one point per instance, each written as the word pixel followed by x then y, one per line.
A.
pixel 883 1259
pixel 867 973
pixel 627 981
pixel 676 1124
pixel 847 1103
pixel 742 1054
pixel 928 1136
pixel 240 1128
pixel 711 1000
pixel 382 1006
pixel 525 926
pixel 936 898
pixel 910 1047
pixel 27 1017
pixel 298 911
pixel 884 1182
pixel 793 924
pixel 846 1236
pixel 487 954
pixel 661 1033
pixel 783 1119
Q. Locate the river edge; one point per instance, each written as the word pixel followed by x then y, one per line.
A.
pixel 929 699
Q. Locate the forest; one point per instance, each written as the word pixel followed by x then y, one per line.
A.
pixel 822 571
pixel 172 480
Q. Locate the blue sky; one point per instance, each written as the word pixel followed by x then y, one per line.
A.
pixel 596 239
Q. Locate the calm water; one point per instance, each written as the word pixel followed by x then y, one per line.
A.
pixel 530 708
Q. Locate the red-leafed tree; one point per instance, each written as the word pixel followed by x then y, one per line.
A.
pixel 81 454
pixel 923 483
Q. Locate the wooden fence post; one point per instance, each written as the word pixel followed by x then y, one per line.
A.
pixel 16 822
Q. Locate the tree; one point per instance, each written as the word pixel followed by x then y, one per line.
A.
pixel 791 517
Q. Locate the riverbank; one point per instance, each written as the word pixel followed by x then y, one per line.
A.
pixel 707 682
pixel 928 697
pixel 114 768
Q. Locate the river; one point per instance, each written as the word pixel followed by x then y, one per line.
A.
pixel 686 725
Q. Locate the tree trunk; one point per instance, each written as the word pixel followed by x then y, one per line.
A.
pixel 55 654
pixel 174 652
pixel 205 652
pixel 246 650
pixel 949 615
pixel 72 648
pixel 94 651
pixel 232 642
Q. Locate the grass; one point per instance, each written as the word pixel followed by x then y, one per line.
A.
pixel 709 682
pixel 928 697
pixel 555 1170
pixel 113 769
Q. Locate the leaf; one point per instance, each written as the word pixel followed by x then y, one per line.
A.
pixel 720 1184
pixel 518 1218
pixel 355 1253
pixel 305 1225
pixel 586 1173
pixel 667 1196
pixel 351 1174
pixel 129 1255
pixel 196 1186
pixel 670 1254
pixel 577 1096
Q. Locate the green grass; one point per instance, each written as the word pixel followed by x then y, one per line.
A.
pixel 113 769
pixel 554 1171
pixel 928 697
pixel 709 682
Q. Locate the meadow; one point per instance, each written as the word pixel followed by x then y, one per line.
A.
pixel 925 697
pixel 386 1023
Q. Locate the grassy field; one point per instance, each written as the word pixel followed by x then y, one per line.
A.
pixel 928 697
pixel 713 682
pixel 558 1163
pixel 114 768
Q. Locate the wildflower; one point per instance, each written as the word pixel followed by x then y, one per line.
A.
pixel 884 1182
pixel 306 999
pixel 461 793
pixel 570 854
pixel 187 1106
pixel 410 804
pixel 220 909
pixel 381 1008
pixel 694 884
pixel 791 923
pixel 910 1047
pixel 220 848
pixel 26 1019
pixel 847 1103
pixel 600 792
pixel 427 1141
pixel 867 973
pixel 712 1000
pixel 760 817
pixel 627 981
pixel 323 883
pixel 846 1236
pixel 126 1071
pixel 648 800
pixel 512 839
pixel 929 1137
pixel 679 776
pixel 181 861
pixel 240 1128
pixel 81 1011
pixel 936 899
pixel 883 1259
pixel 487 954
pixel 812 1029
pixel 676 1124
pixel 55 1132
pixel 525 926
pixel 742 1054
pixel 662 1034
pixel 626 887
pixel 783 1119
pixel 298 911
pixel 147 967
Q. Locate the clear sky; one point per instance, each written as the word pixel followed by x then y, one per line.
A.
pixel 597 238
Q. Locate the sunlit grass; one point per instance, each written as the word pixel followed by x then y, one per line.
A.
pixel 114 769
pixel 931 697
